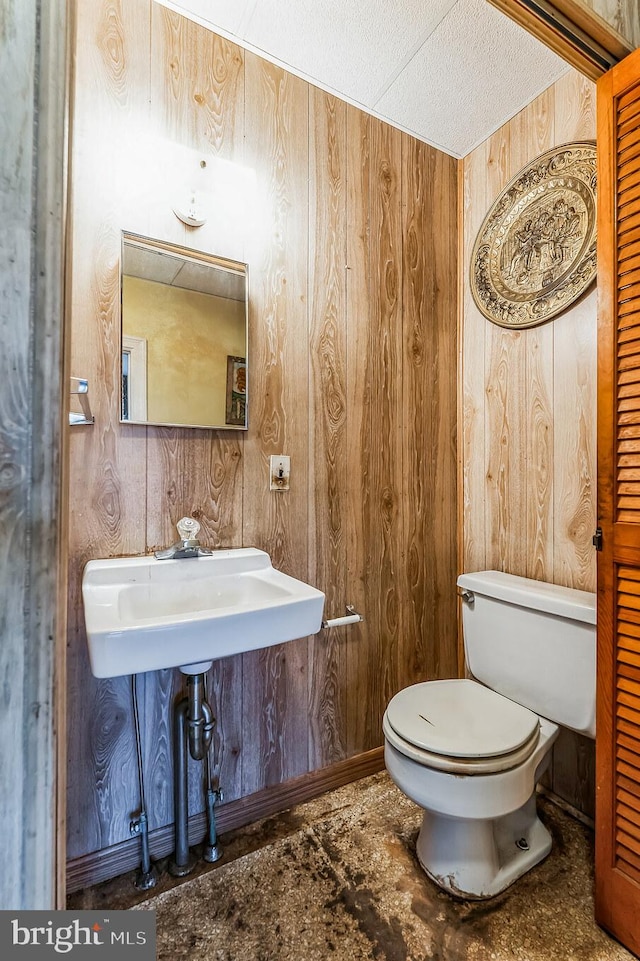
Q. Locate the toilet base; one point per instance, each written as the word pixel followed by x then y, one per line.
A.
pixel 480 858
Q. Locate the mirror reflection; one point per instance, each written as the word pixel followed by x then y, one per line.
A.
pixel 184 337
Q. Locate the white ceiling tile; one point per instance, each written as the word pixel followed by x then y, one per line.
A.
pixel 474 72
pixel 226 15
pixel 350 46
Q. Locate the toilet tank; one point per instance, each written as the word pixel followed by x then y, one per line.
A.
pixel 533 642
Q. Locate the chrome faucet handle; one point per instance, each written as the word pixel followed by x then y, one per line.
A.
pixel 188 528
pixel 188 545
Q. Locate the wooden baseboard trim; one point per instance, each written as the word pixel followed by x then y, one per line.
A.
pixel 574 812
pixel 90 869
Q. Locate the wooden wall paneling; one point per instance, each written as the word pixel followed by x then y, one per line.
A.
pixel 574 558
pixel 197 103
pixel 573 765
pixel 420 411
pixel 156 690
pixel 165 494
pixel 329 481
pixel 622 15
pixel 506 417
pixel 539 454
pixel 384 521
pixel 224 686
pixel 428 395
pixel 198 85
pixel 443 186
pixel 533 132
pixel 212 472
pixel 573 771
pixel 212 479
pixel 198 98
pixel 473 335
pixel 215 498
pixel 506 547
pixel 574 457
pixel 361 732
pixel 575 386
pixel 275 680
pixel 107 466
pixel 557 502
pixel 575 108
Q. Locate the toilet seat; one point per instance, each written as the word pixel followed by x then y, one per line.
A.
pixel 460 726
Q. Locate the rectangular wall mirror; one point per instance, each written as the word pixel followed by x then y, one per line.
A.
pixel 184 337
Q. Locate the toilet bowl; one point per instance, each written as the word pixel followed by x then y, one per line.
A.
pixel 471 751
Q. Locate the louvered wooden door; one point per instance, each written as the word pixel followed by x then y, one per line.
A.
pixel 618 710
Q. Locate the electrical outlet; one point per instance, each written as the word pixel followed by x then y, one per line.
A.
pixel 279 470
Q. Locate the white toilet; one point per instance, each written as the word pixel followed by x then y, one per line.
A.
pixel 470 752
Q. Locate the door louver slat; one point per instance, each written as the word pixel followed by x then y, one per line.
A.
pixel 629 174
pixel 629 253
pixel 628 326
pixel 627 710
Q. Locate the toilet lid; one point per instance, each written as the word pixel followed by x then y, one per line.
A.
pixel 460 718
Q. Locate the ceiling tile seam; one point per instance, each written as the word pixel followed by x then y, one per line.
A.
pixel 409 57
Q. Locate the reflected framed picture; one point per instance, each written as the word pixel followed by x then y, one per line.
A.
pixel 236 403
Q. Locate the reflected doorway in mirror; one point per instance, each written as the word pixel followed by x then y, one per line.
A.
pixel 236 406
pixel 134 378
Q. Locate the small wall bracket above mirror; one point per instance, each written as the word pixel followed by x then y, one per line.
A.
pixel 80 386
pixel 184 336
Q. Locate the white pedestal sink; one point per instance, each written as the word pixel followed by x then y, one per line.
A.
pixel 143 614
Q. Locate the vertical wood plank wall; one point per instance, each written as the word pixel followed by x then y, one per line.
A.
pixel 351 244
pixel 529 408
pixel 622 15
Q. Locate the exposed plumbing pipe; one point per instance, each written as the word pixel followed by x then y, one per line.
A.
pixel 147 876
pixel 199 719
pixel 193 724
pixel 212 850
pixel 183 861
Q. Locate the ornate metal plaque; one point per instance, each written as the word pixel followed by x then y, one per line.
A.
pixel 536 250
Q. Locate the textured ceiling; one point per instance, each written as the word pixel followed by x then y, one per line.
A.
pixel 450 72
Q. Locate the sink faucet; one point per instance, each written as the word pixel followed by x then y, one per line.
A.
pixel 188 545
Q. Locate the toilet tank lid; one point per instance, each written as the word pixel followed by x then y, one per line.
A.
pixel 538 595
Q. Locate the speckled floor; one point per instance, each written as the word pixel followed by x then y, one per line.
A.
pixel 337 878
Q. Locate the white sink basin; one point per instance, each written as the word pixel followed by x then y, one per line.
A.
pixel 143 614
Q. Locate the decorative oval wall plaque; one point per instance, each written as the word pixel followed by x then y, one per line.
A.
pixel 535 252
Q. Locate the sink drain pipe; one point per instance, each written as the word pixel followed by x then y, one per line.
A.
pixel 212 850
pixel 146 877
pixel 193 726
